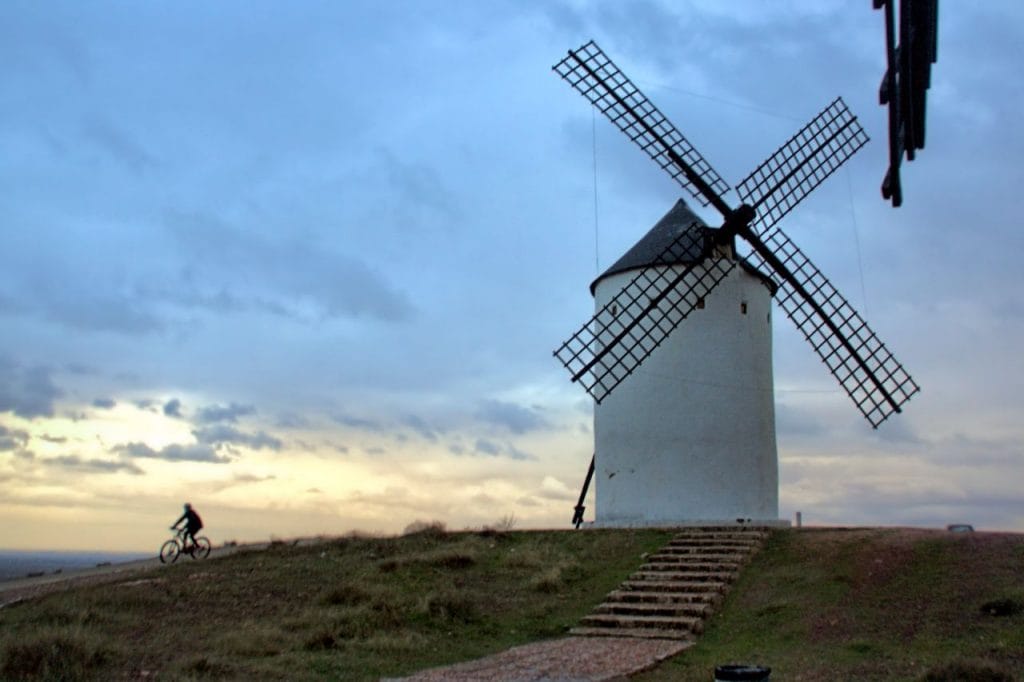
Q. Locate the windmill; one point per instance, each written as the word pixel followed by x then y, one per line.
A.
pixel 710 462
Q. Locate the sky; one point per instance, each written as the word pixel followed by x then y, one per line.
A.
pixel 304 265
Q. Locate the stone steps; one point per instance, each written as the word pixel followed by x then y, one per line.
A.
pixel 670 609
pixel 677 588
pixel 651 574
pixel 639 632
pixel 688 597
pixel 688 624
pixel 674 586
pixel 702 567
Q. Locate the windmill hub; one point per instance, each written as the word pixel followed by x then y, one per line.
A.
pixel 737 223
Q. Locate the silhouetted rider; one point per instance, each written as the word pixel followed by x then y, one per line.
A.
pixel 193 524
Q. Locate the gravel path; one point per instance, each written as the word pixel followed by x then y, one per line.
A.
pixel 572 659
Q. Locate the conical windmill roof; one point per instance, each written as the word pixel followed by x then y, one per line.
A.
pixel 646 252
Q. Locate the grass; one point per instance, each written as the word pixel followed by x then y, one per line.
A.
pixel 860 604
pixel 353 608
pixel 871 604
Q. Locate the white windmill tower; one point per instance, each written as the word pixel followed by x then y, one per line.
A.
pixel 690 437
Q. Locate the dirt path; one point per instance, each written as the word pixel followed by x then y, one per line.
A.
pixel 19 589
pixel 570 659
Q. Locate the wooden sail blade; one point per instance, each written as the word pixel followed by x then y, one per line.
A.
pixel 624 333
pixel 801 164
pixel 589 71
pixel 869 373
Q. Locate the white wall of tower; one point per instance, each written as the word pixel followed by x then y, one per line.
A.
pixel 690 436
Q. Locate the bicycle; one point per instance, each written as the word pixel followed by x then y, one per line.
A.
pixel 178 545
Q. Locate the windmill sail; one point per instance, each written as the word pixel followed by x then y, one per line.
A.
pixel 615 341
pixel 875 381
pixel 593 75
pixel 799 166
pixel 610 346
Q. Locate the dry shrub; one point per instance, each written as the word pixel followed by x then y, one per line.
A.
pixel 204 667
pixel 503 525
pixel 426 528
pixel 1002 607
pixel 525 558
pixel 377 618
pixel 967 672
pixel 397 642
pixel 452 557
pixel 321 640
pixel 53 655
pixel 347 595
pixel 553 578
pixel 451 605
pixel 252 641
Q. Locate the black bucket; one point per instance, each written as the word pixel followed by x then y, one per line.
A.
pixel 744 673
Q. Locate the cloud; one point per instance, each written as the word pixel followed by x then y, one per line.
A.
pixel 12 439
pixel 221 413
pixel 223 434
pixel 419 426
pixel 490 448
pixel 104 403
pixel 252 478
pixel 358 423
pixel 517 419
pixel 198 452
pixel 172 408
pixel 486 447
pixel 275 274
pixel 792 420
pixel 27 393
pixel 516 453
pixel 415 188
pixel 291 420
pixel 118 144
pixel 100 466
pixel 553 489
pixel 95 311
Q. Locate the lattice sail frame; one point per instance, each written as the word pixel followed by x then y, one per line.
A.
pixel 796 168
pixel 615 341
pixel 589 71
pixel 875 381
pixel 610 347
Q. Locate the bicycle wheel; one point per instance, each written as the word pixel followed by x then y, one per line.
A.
pixel 169 552
pixel 202 548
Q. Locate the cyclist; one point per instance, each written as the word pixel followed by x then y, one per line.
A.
pixel 193 524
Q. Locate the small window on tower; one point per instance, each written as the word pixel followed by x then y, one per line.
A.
pixel 700 304
pixel 743 307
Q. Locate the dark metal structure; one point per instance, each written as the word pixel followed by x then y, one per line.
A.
pixel 906 81
pixel 613 343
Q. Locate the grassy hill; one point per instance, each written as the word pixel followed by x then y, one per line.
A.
pixel 865 604
pixel 871 604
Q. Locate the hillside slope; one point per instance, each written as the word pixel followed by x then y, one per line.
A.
pixel 871 604
pixel 860 604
